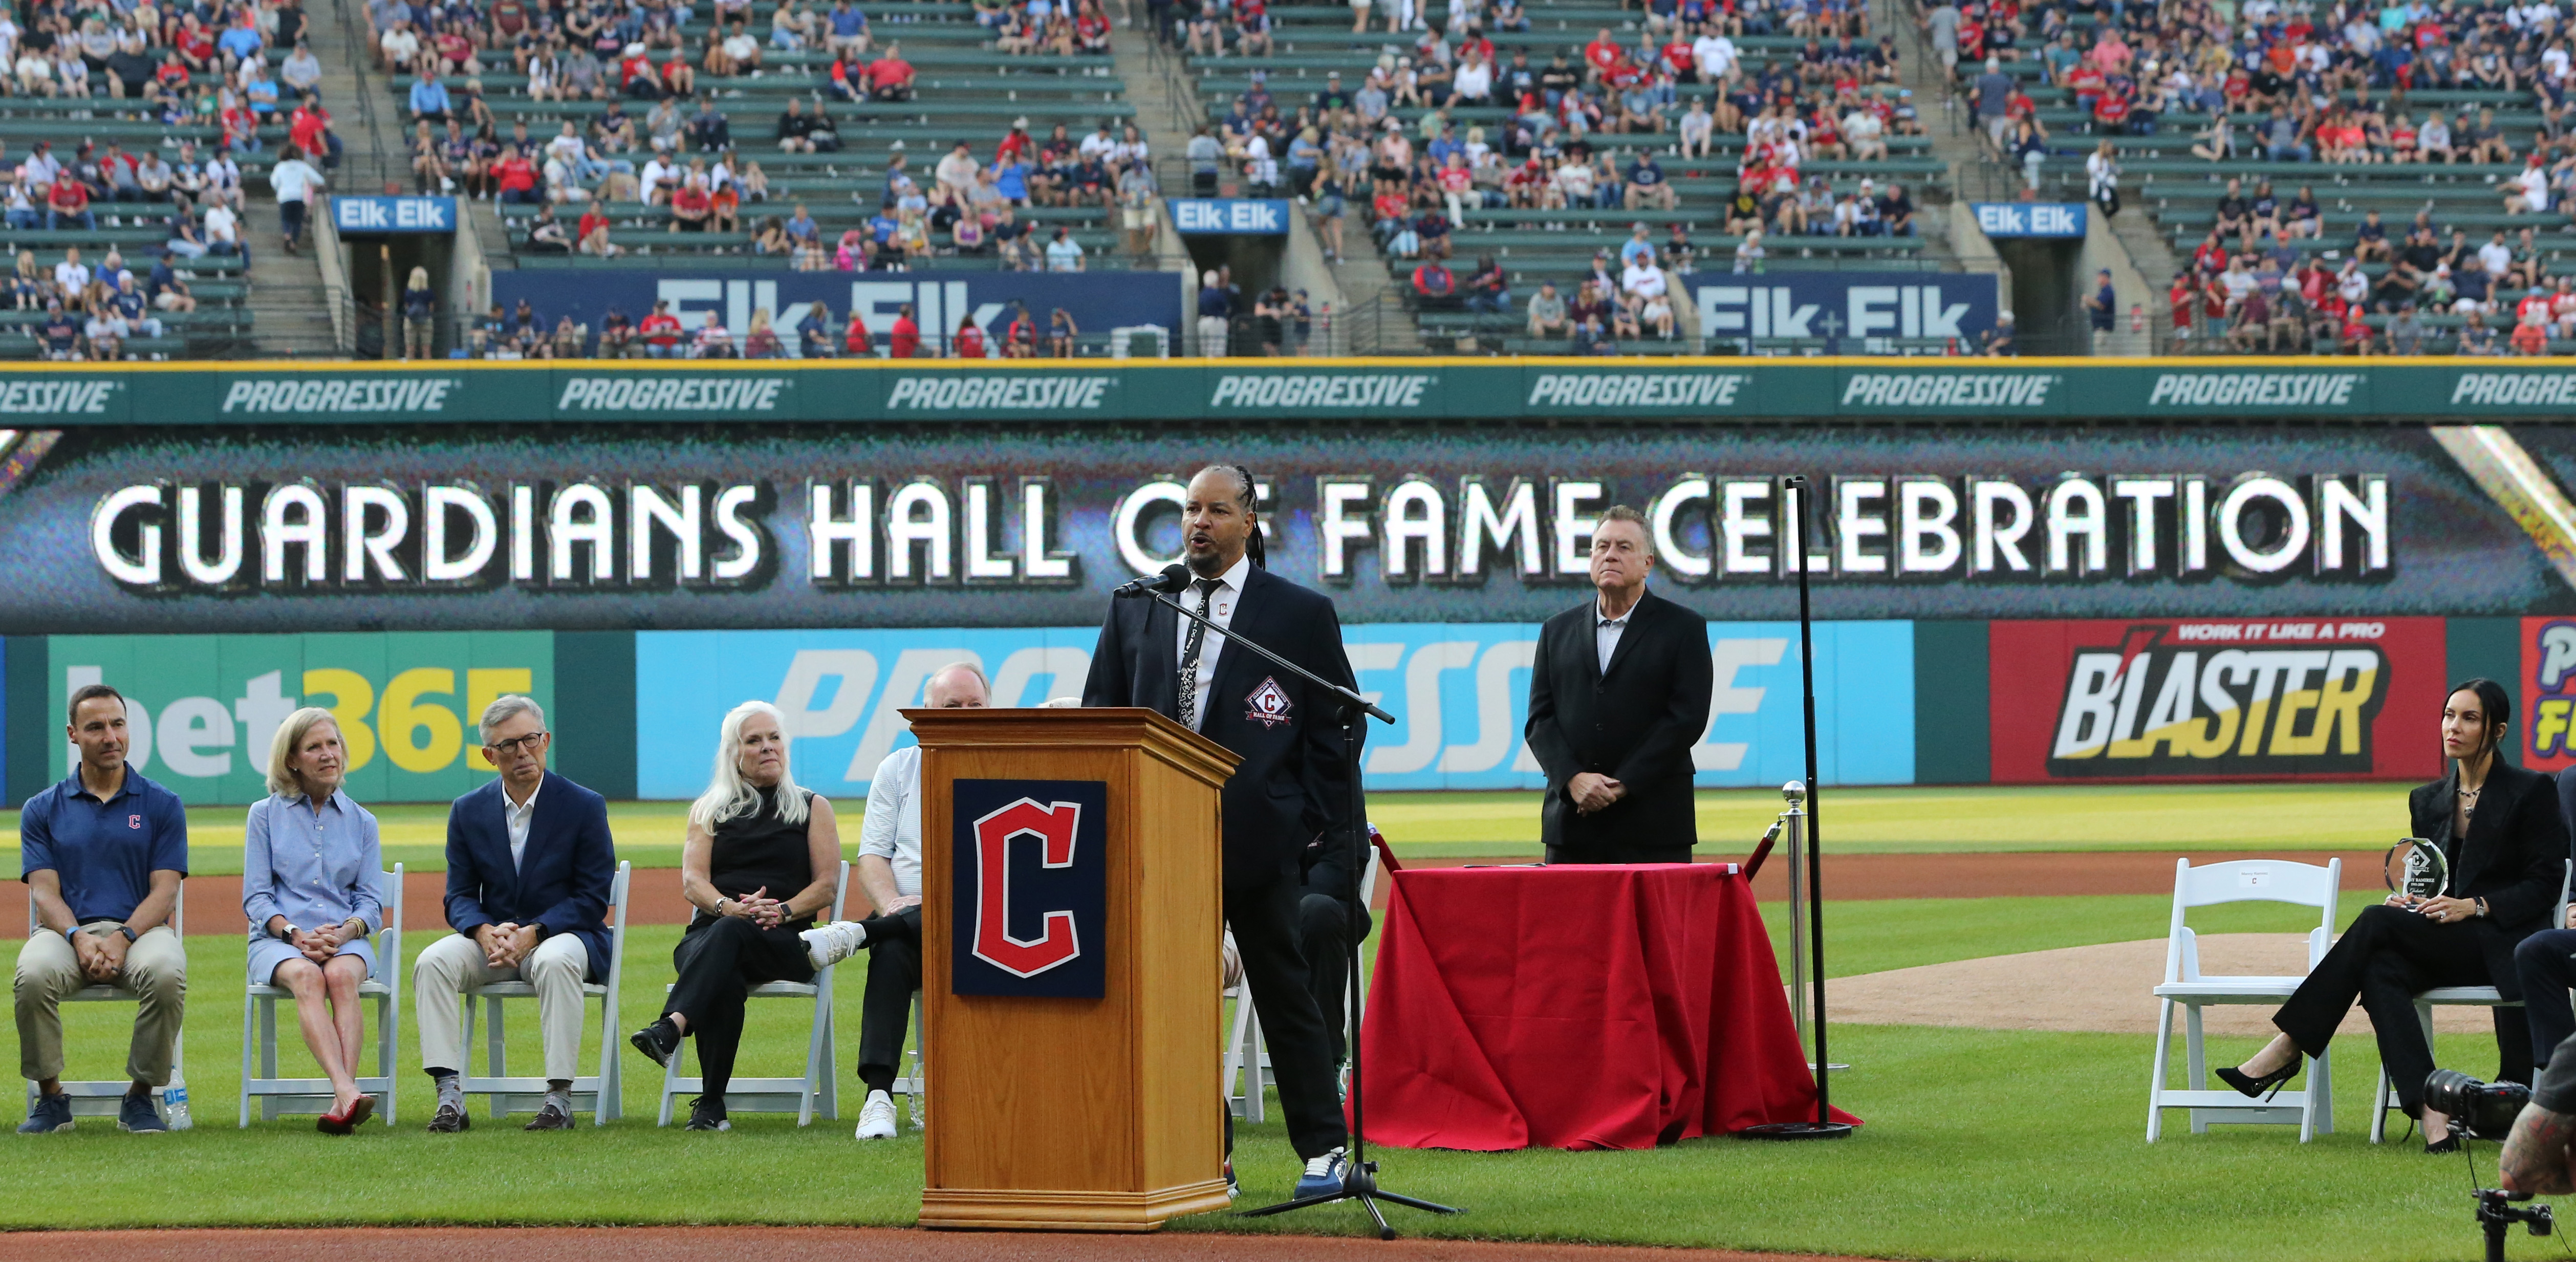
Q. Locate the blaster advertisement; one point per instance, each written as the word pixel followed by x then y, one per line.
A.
pixel 2215 699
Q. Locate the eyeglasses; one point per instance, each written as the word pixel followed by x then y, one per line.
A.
pixel 528 743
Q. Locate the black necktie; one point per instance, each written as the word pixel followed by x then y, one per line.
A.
pixel 1206 588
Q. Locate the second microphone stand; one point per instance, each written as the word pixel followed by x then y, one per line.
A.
pixel 1359 1175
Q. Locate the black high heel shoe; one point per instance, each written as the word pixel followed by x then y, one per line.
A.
pixel 2448 1143
pixel 2265 1087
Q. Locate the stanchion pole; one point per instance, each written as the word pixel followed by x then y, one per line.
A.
pixel 1794 825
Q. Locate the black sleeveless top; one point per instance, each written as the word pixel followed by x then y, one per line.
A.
pixel 757 850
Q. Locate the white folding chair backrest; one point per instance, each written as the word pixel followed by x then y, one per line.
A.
pixel 2249 881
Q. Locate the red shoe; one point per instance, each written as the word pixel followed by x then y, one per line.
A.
pixel 345 1121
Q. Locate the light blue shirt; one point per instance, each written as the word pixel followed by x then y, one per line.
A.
pixel 428 97
pixel 315 869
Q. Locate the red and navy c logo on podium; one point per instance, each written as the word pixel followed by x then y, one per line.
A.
pixel 1031 870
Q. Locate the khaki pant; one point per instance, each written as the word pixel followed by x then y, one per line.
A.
pixel 156 972
pixel 454 964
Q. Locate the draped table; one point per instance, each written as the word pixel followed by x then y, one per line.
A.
pixel 1612 1006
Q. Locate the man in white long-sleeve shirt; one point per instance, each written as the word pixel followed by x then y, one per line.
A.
pixel 890 874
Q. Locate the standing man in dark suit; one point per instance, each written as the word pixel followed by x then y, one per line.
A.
pixel 1290 785
pixel 1618 695
pixel 529 866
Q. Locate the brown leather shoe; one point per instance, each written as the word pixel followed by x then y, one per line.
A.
pixel 450 1120
pixel 551 1118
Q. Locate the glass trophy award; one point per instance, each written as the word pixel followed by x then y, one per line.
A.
pixel 2415 868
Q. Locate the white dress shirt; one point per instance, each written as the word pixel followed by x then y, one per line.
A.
pixel 891 829
pixel 516 815
pixel 1219 610
pixel 1607 630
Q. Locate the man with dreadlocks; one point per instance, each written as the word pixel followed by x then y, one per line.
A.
pixel 1290 786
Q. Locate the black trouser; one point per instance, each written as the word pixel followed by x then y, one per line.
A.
pixel 885 1011
pixel 719 962
pixel 1265 921
pixel 2387 958
pixel 2547 964
pixel 1680 853
pixel 1323 928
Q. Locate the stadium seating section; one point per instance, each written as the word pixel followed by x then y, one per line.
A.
pixel 2338 82
pixel 96 119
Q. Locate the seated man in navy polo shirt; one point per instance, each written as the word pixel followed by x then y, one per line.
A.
pixel 103 853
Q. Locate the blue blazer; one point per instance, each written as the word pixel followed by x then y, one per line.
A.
pixel 562 883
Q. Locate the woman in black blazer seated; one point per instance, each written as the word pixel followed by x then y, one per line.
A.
pixel 2500 828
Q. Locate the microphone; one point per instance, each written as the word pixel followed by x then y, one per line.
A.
pixel 1173 578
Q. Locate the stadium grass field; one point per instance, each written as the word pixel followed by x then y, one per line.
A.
pixel 1505 825
pixel 1981 1144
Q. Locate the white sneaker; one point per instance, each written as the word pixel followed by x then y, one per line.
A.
pixel 827 945
pixel 876 1117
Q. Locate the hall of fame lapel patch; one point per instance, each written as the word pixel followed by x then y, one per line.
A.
pixel 1268 704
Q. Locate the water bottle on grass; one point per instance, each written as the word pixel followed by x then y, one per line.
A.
pixel 174 1105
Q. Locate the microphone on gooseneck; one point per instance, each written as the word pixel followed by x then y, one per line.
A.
pixel 1173 578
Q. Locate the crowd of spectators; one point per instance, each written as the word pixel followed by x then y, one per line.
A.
pixel 1585 129
pixel 522 333
pixel 2338 85
pixel 93 312
pixel 203 72
pixel 666 147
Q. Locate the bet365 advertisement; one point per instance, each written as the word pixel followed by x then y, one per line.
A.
pixel 2184 699
pixel 202 709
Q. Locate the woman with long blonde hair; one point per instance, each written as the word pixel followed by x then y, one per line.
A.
pixel 761 860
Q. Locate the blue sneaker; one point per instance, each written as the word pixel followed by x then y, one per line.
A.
pixel 52 1113
pixel 1323 1175
pixel 137 1115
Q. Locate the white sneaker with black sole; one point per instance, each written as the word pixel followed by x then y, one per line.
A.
pixel 827 945
pixel 877 1117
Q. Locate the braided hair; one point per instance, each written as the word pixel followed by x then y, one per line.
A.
pixel 1251 504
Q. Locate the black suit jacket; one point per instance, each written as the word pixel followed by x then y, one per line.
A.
pixel 1291 783
pixel 562 880
pixel 1635 722
pixel 2514 857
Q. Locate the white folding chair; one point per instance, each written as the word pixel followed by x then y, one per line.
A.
pixel 600 1092
pixel 1244 1046
pixel 2251 880
pixel 915 1087
pixel 103 1097
pixel 2385 1098
pixel 278 1096
pixel 819 1088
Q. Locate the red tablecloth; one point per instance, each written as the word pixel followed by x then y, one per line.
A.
pixel 1577 1007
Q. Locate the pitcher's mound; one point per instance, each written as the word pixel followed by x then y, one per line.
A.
pixel 2106 989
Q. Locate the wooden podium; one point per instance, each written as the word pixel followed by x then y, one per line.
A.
pixel 1070 1092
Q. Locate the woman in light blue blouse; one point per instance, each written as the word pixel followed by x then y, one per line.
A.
pixel 310 889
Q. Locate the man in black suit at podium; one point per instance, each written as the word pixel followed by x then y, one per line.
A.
pixel 1290 785
pixel 1618 694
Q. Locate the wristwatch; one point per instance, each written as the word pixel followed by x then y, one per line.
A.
pixel 286 934
pixel 128 931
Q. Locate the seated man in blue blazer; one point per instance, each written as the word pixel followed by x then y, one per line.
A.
pixel 529 866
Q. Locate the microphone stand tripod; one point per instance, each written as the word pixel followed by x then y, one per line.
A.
pixel 1359 1175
